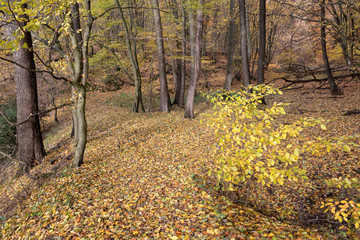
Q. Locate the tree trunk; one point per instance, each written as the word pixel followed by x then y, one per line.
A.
pixel 179 94
pixel 262 40
pixel 164 92
pixel 244 45
pixel 132 52
pixel 80 44
pixel 230 52
pixel 333 87
pixel 189 107
pixel 30 143
pixel 192 40
pixel 181 89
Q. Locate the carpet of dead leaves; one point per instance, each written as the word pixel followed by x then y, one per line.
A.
pixel 140 176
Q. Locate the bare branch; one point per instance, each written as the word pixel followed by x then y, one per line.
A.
pixel 7 119
pixel 8 156
pixel 37 71
pixel 42 113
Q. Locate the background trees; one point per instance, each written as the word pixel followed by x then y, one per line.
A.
pixel 280 36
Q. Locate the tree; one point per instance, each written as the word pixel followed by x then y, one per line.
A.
pixel 333 87
pixel 230 49
pixel 80 68
pixel 132 52
pixel 29 139
pixel 179 63
pixel 189 107
pixel 74 51
pixel 244 43
pixel 164 93
pixel 262 40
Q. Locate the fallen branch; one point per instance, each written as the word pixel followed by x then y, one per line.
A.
pixel 299 81
pixel 351 112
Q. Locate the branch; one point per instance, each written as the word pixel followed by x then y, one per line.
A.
pixel 8 156
pixel 7 119
pixel 37 71
pixel 42 113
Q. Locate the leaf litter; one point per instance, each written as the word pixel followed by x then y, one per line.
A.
pixel 142 178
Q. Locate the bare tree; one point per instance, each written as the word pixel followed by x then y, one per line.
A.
pixel 164 93
pixel 333 87
pixel 132 52
pixel 244 43
pixel 262 40
pixel 189 107
pixel 230 50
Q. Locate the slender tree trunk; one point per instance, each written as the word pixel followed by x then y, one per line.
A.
pixel 164 92
pixel 80 43
pixel 29 138
pixel 262 40
pixel 230 50
pixel 177 65
pixel 244 47
pixel 333 87
pixel 189 107
pixel 192 40
pixel 131 48
pixel 183 61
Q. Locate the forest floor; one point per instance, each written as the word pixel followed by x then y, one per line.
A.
pixel 143 177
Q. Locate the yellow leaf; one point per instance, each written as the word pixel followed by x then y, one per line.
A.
pixel 347 148
pixel 296 152
pixel 333 210
pixel 323 127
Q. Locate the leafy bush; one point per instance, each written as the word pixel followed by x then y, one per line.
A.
pixel 262 160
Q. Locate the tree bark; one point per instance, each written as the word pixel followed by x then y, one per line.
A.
pixel 333 87
pixel 164 92
pixel 231 52
pixel 262 40
pixel 189 107
pixel 244 44
pixel 29 138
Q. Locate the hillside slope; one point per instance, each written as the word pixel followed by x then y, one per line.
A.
pixel 141 179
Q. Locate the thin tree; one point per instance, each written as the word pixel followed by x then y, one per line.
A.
pixel 262 40
pixel 189 106
pixel 333 87
pixel 179 81
pixel 244 43
pixel 132 52
pixel 80 43
pixel 230 48
pixel 164 93
pixel 183 56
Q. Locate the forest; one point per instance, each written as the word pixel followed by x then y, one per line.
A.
pixel 179 119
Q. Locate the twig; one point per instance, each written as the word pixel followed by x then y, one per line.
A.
pixel 7 120
pixel 8 156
